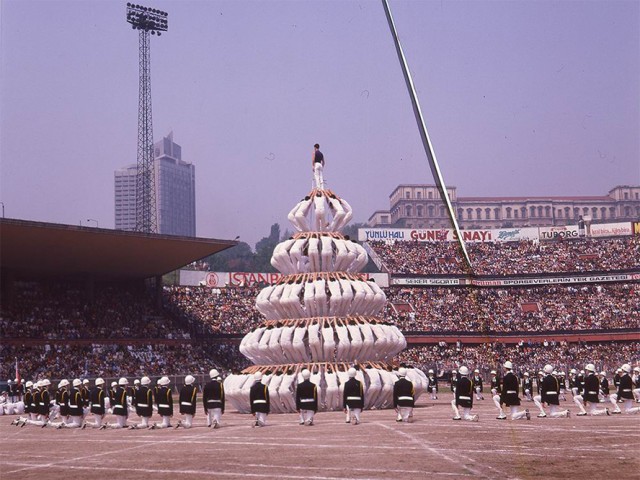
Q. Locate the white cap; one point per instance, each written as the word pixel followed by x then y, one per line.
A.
pixel 402 372
pixel 59 386
pixel 603 373
pixel 63 383
pixel 257 376
pixel 476 371
pixel 591 367
pixel 123 381
pixel 430 370
pixel 164 381
pixel 213 373
pixel 636 369
pixel 305 374
pixel 76 382
pixel 508 365
pixel 493 372
pixel 85 382
pixel 38 384
pixel 454 371
pixel 463 370
pixel 113 384
pixel 45 383
pixel 99 381
pixel 554 373
pixel 626 368
pixel 136 382
pixel 9 381
pixel 548 368
pixel 526 374
pixel 145 380
pixel 573 371
pixel 15 380
pixel 189 379
pixel 29 384
pixel 351 372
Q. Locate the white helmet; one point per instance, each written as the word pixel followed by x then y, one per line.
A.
pixel 573 371
pixel 430 370
pixel 85 382
pixel 547 369
pixel 603 374
pixel 45 383
pixel 99 381
pixel 164 381
pixel 453 372
pixel 463 370
pixel 476 371
pixel 136 382
pixel 508 365
pixel 526 374
pixel 29 384
pixel 493 372
pixel 189 379
pixel 590 367
pixel 351 372
pixel 63 383
pixel 554 373
pixel 257 376
pixel 636 369
pixel 76 382
pixel 114 384
pixel 123 381
pixel 213 373
pixel 305 374
pixel 626 368
pixel 145 380
pixel 402 372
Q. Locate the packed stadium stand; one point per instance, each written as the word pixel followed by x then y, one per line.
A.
pixel 77 316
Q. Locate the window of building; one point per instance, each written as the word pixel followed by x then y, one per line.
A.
pixel 407 194
pixel 515 213
pixel 460 214
pixel 496 213
pixel 626 195
pixel 487 213
pixel 469 214
pixel 442 211
pixel 479 213
pixel 419 210
pixel 532 212
pixel 408 210
pixel 627 211
pixel 430 194
pixel 547 212
pixel 418 195
pixel 594 212
pixel 508 212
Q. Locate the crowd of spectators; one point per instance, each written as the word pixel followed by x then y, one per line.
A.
pixel 216 311
pixel 116 360
pixel 522 257
pixel 65 311
pixel 526 356
pixel 515 309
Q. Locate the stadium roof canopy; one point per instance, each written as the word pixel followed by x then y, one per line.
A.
pixel 30 249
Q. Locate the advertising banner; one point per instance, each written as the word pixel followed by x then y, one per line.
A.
pixel 611 229
pixel 555 233
pixel 244 279
pixel 508 282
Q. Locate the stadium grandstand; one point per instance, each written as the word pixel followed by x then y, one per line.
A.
pixel 78 301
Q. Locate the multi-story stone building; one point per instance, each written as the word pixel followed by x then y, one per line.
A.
pixel 175 192
pixel 420 206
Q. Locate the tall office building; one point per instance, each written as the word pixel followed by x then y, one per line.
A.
pixel 175 192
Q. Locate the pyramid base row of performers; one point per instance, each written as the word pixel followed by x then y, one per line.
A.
pixel 281 383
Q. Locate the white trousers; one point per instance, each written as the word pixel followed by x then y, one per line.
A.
pixel 318 175
pixel 405 413
pixel 214 415
pixel 628 408
pixel 593 410
pixel 306 416
pixel 613 398
pixel 496 401
pixel 261 418
pixel 97 423
pixel 555 411
pixel 579 401
pixel 516 413
pixel 73 421
pixel 121 422
pixel 353 413
pixel 187 421
pixel 144 422
pixel 538 402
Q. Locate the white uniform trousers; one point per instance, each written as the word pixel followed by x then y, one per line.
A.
pixel 405 414
pixel 121 422
pixel 555 412
pixel 579 401
pixel 187 420
pixel 144 422
pixel 73 421
pixel 318 175
pixel 538 401
pixel 628 408
pixel 516 413
pixel 306 416
pixel 261 419
pixel 496 401
pixel 214 416
pixel 353 414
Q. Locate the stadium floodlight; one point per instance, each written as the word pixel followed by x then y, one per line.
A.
pixel 147 21
pixel 426 141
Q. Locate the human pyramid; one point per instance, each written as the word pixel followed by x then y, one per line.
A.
pixel 323 321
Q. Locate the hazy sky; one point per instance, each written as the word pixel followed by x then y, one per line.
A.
pixel 520 98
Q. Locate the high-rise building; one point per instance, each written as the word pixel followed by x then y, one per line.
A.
pixel 175 187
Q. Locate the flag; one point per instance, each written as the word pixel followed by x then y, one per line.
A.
pixel 17 377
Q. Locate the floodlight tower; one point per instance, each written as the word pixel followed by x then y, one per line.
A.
pixel 148 21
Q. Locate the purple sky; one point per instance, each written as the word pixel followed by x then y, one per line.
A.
pixel 520 98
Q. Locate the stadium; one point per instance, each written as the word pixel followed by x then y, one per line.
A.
pixel 450 337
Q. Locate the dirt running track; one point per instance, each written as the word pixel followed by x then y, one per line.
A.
pixel 432 447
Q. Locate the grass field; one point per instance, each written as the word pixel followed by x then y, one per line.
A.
pixel 433 446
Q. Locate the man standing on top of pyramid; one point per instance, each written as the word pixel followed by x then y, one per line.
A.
pixel 317 165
